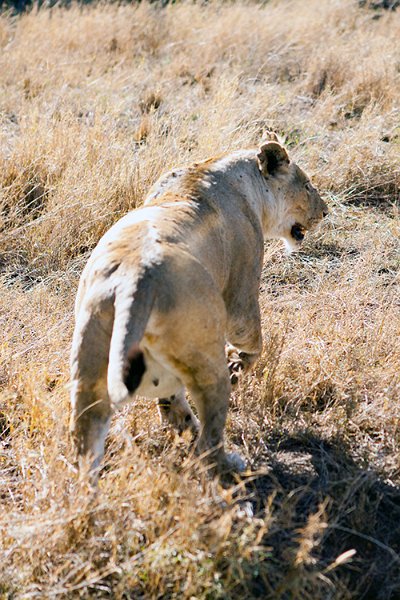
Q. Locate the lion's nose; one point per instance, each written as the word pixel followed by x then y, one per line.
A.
pixel 325 213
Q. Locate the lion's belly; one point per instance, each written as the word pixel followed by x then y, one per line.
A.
pixel 157 380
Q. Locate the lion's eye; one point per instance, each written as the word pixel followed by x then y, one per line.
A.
pixel 308 186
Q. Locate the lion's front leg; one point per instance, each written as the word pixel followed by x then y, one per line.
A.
pixel 245 342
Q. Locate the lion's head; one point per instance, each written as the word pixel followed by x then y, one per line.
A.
pixel 298 205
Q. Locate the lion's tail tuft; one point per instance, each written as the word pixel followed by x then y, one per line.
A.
pixel 134 368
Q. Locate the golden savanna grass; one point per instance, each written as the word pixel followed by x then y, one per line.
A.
pixel 97 102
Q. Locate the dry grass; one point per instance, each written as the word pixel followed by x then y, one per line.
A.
pixel 94 105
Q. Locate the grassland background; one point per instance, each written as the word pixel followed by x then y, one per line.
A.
pixel 95 103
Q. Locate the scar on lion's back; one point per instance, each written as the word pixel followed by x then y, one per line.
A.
pixel 166 197
pixel 127 244
pixel 198 173
pixel 188 184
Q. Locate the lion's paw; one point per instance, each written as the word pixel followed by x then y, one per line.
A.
pixel 235 363
pixel 233 462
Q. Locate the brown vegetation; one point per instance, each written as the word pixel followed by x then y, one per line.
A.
pixel 94 105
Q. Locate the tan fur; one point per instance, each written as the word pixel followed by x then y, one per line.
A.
pixel 172 282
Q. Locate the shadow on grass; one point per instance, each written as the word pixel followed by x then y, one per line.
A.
pixel 360 511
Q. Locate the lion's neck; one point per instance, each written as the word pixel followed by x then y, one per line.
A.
pixel 241 172
pixel 237 174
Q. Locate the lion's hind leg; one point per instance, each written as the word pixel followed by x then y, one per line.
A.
pixel 212 401
pixel 91 409
pixel 209 386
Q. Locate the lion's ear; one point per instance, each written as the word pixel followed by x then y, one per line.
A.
pixel 272 157
pixel 270 136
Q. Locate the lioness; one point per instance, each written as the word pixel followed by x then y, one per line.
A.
pixel 175 280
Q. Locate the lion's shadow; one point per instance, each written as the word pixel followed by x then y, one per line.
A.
pixel 360 508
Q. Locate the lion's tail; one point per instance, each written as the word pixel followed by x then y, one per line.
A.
pixel 126 361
